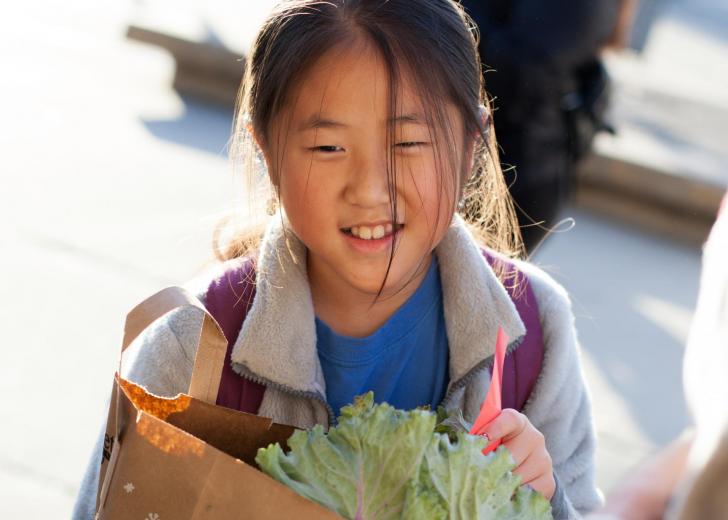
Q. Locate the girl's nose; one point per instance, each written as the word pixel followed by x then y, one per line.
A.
pixel 368 184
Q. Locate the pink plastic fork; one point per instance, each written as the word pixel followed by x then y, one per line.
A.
pixel 492 406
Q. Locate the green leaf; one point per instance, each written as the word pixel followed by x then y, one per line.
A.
pixel 471 485
pixel 451 422
pixel 362 468
pixel 382 463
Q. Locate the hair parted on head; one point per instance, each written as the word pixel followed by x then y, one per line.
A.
pixel 434 41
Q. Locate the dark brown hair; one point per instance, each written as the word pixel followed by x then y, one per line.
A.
pixel 433 41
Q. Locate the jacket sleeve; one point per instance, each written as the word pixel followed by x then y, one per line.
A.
pixel 161 360
pixel 560 405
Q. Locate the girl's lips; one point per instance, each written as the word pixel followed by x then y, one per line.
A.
pixel 371 246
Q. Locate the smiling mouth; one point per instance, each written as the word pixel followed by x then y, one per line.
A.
pixel 373 232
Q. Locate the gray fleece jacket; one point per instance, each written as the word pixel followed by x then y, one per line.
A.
pixel 277 345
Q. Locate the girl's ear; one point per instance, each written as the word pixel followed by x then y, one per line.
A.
pixel 481 132
pixel 260 143
pixel 484 118
pixel 257 139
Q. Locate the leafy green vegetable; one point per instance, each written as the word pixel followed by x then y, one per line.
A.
pixel 451 422
pixel 471 485
pixel 382 463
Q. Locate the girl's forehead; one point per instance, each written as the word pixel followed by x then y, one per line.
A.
pixel 352 81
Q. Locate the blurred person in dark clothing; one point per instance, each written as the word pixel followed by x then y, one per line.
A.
pixel 550 90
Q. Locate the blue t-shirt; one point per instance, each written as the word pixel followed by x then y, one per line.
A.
pixel 405 362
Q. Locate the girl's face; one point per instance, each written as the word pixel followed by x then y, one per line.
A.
pixel 327 153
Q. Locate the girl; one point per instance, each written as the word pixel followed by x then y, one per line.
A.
pixel 369 118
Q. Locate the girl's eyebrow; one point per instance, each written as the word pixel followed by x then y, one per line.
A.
pixel 316 121
pixel 408 118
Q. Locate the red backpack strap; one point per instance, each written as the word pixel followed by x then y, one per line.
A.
pixel 522 366
pixel 228 299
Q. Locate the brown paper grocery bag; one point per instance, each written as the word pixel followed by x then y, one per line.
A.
pixel 185 457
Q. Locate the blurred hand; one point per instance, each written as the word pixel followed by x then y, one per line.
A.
pixel 528 448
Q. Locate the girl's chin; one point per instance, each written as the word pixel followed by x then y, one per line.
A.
pixel 393 285
pixel 399 278
pixel 370 286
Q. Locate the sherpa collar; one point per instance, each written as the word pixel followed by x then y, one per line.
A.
pixel 278 340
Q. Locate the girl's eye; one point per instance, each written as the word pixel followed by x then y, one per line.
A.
pixel 327 149
pixel 410 144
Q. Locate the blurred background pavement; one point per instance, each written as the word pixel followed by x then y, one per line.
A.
pixel 112 181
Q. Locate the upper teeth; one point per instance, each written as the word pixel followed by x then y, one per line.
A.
pixel 375 232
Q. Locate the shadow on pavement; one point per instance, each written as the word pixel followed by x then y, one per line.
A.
pixel 203 126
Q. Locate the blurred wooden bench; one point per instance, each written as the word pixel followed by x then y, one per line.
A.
pixel 203 70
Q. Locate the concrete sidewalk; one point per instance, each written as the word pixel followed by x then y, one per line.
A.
pixel 633 296
pixel 667 167
pixel 671 99
pixel 112 185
